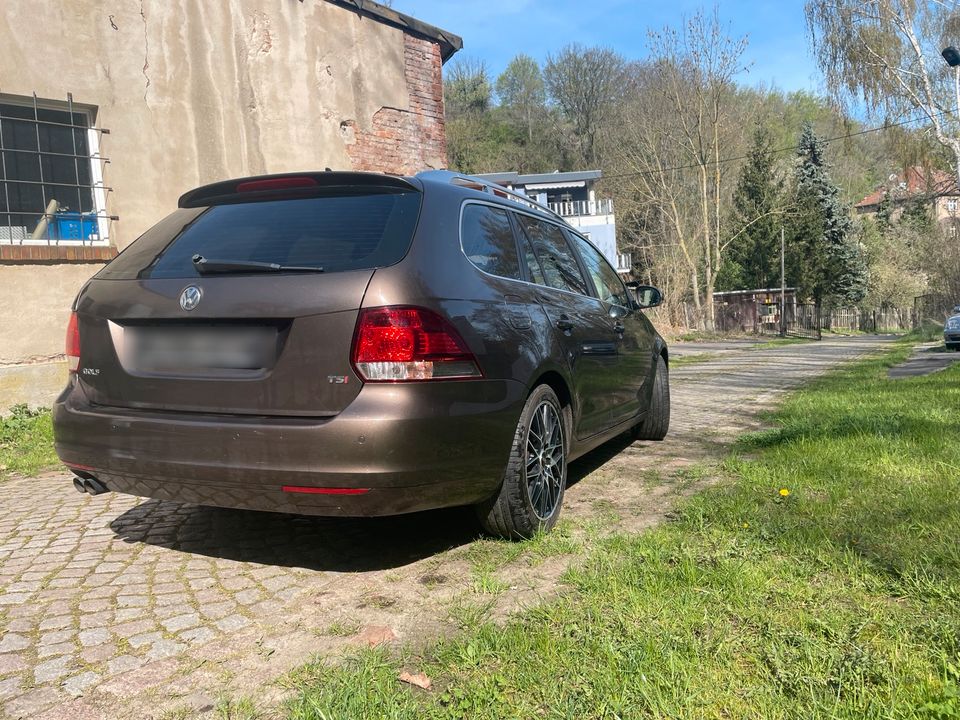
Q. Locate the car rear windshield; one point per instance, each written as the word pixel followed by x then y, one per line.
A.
pixel 345 230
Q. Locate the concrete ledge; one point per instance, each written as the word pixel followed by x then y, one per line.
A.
pixel 37 384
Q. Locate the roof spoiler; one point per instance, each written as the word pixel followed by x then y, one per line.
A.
pixel 302 184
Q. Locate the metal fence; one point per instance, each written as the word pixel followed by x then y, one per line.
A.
pixel 800 320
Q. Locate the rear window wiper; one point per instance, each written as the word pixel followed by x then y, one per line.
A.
pixel 208 266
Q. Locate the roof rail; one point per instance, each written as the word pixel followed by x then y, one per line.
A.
pixel 471 181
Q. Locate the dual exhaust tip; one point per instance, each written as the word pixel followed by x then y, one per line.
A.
pixel 88 485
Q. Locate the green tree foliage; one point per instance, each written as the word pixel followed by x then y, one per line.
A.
pixel 917 216
pixel 884 216
pixel 467 88
pixel 522 92
pixel 752 259
pixel 826 262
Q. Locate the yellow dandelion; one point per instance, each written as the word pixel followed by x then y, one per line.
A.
pixel 784 492
pixel 746 524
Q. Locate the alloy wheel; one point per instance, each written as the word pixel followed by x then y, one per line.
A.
pixel 546 460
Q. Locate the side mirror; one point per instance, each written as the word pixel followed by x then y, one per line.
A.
pixel 647 295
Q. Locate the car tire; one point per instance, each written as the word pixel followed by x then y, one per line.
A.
pixel 531 494
pixel 656 423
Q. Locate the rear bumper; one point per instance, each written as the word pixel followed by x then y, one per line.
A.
pixel 415 446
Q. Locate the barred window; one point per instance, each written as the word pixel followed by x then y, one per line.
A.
pixel 51 187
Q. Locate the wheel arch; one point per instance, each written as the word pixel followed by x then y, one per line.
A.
pixel 660 348
pixel 561 387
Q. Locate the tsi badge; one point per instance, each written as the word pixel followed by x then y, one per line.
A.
pixel 190 297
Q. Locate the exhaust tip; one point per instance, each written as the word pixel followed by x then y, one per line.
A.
pixel 94 486
pixel 78 485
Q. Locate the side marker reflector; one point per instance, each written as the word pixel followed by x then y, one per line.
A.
pixel 324 490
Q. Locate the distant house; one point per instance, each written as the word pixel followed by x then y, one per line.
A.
pixel 573 196
pixel 936 188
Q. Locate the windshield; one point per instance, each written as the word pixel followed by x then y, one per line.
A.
pixel 348 230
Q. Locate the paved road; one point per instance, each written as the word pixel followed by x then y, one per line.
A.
pixel 927 358
pixel 119 607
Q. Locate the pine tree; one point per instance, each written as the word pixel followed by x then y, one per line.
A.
pixel 826 262
pixel 752 259
pixel 884 216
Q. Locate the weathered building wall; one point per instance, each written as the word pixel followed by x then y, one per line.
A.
pixel 195 91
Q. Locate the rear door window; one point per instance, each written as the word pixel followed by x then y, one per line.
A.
pixel 488 241
pixel 530 261
pixel 344 229
pixel 559 265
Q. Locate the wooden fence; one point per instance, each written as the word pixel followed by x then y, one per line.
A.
pixel 805 320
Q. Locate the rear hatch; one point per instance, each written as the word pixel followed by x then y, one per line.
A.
pixel 245 300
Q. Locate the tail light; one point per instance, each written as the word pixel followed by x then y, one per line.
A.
pixel 398 344
pixel 73 343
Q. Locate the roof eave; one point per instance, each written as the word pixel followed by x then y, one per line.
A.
pixel 448 42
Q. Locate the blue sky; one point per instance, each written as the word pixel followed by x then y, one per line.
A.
pixel 496 30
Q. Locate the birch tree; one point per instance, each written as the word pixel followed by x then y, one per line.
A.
pixel 886 54
pixel 688 115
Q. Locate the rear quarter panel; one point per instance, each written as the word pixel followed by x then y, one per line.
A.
pixel 500 319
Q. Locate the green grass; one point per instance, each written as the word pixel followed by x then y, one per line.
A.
pixel 837 598
pixel 928 331
pixel 692 359
pixel 242 709
pixel 26 442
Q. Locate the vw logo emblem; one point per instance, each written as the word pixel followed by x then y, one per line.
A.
pixel 190 297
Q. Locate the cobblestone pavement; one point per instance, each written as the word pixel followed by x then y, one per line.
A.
pixel 115 606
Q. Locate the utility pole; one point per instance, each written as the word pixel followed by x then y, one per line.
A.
pixel 783 284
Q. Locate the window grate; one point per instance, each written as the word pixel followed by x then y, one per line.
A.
pixel 51 173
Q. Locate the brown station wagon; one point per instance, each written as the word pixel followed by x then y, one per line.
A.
pixel 357 344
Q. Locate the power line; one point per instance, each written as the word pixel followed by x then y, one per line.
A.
pixel 777 151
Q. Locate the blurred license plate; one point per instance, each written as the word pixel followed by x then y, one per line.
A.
pixel 197 348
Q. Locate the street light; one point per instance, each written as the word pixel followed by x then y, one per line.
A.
pixel 951 55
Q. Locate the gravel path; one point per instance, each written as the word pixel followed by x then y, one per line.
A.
pixel 119 607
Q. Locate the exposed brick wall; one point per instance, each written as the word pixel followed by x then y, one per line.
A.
pixel 406 141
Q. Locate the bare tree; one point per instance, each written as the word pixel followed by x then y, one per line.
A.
pixel 886 53
pixel 681 127
pixel 586 84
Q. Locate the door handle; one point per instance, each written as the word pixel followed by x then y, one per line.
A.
pixel 618 328
pixel 564 324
